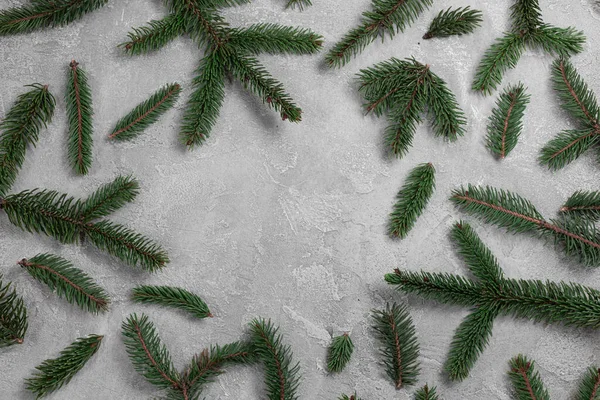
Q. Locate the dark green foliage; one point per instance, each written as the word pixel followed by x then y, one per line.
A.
pixel 426 393
pixel 154 36
pixel 403 89
pixel 275 39
pixel 340 352
pixel 579 102
pixel 454 22
pixel 109 197
pixel 172 297
pixel 146 113
pixel 492 294
pixel 506 122
pixel 589 388
pixel 528 30
pixel 399 346
pixel 13 316
pixel 78 100
pixel 53 374
pixel 40 14
pixel 412 199
pixel 583 204
pixel 579 238
pixel 352 397
pixel 281 374
pixel 20 127
pixel 299 4
pixel 386 17
pixel 526 381
pixel 66 281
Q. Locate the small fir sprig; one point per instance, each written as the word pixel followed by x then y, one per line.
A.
pixel 492 294
pixel 579 238
pixel 340 352
pixel 460 21
pixel 13 316
pixel 154 36
pixel 109 197
pixel 412 199
pixel 528 30
pixel 172 297
pixel 506 122
pixel 399 346
pixel 66 281
pixel 426 393
pixel 387 17
pixel 282 376
pixel 20 128
pixel 146 113
pixel 580 102
pixel 403 89
pixel 299 4
pixel 79 113
pixel 526 380
pixel 589 387
pixel 53 374
pixel 584 204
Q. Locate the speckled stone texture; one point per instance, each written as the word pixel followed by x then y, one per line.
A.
pixel 288 221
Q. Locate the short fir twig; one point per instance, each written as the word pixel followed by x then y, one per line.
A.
pixel 340 352
pixel 169 296
pixel 80 112
pixel 526 380
pixel 109 197
pixel 584 204
pixel 426 393
pixel 13 316
pixel 460 21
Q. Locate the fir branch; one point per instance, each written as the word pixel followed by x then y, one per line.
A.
pixel 20 127
pixel 352 397
pixel 505 123
pixel 567 146
pixel 53 374
pixel 202 21
pixel 583 204
pixel 41 14
pixel 281 375
pixel 589 388
pixel 66 281
pixel 299 4
pixel 13 316
pixel 275 39
pixel 146 113
pixel 155 35
pixel 559 41
pixel 526 381
pixel 109 197
pixel 172 297
pixel 387 16
pixel 340 352
pixel 526 15
pixel 501 56
pixel 400 349
pixel 460 21
pixel 426 393
pixel 448 120
pixel 79 113
pixel 412 199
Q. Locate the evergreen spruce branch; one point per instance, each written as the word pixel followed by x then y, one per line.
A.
pixel 201 20
pixel 41 14
pixel 567 146
pixel 53 374
pixel 340 352
pixel 281 375
pixel 146 113
pixel 562 42
pixel 79 113
pixel 387 16
pixel 526 15
pixel 172 297
pixel 109 197
pixel 426 393
pixel 13 316
pixel 526 380
pixel 155 35
pixel 299 4
pixel 589 388
pixel 412 199
pixel 505 123
pixel 66 281
pixel 448 120
pixel 20 127
pixel 579 238
pixel 460 21
pixel 480 260
pixel 584 204
pixel 275 39
pixel 400 349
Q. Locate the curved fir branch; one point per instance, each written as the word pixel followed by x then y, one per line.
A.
pixel 460 21
pixel 281 374
pixel 399 347
pixel 387 16
pixel 525 379
pixel 146 113
pixel 589 388
pixel 20 127
pixel 79 113
pixel 13 316
pixel 109 197
pixel 275 39
pixel 506 122
pixel 340 352
pixel 66 281
pixel 585 204
pixel 412 199
pixel 172 297
pixel 155 35
pixel 426 393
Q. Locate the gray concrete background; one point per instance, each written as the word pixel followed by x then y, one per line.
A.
pixel 288 221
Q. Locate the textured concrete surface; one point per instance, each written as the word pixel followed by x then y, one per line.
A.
pixel 288 221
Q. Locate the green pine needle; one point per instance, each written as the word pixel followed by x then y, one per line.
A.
pixel 79 113
pixel 275 39
pixel 412 199
pixel 506 122
pixel 399 346
pixel 21 127
pixel 172 297
pixel 460 21
pixel 66 281
pixel 53 374
pixel 426 393
pixel 146 113
pixel 109 197
pixel 13 316
pixel 340 352
pixel 525 379
pixel 589 388
pixel 299 4
pixel 583 204
pixel 282 376
pixel 156 35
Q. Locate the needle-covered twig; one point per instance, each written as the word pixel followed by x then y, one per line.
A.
pixel 13 316
pixel 79 113
pixel 460 21
pixel 340 352
pixel 172 297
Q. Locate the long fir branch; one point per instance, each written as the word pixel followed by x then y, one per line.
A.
pixel 172 297
pixel 275 39
pixel 155 35
pixel 13 316
pixel 589 388
pixel 526 380
pixel 79 113
pixel 460 21
pixel 340 352
pixel 584 204
pixel 426 393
